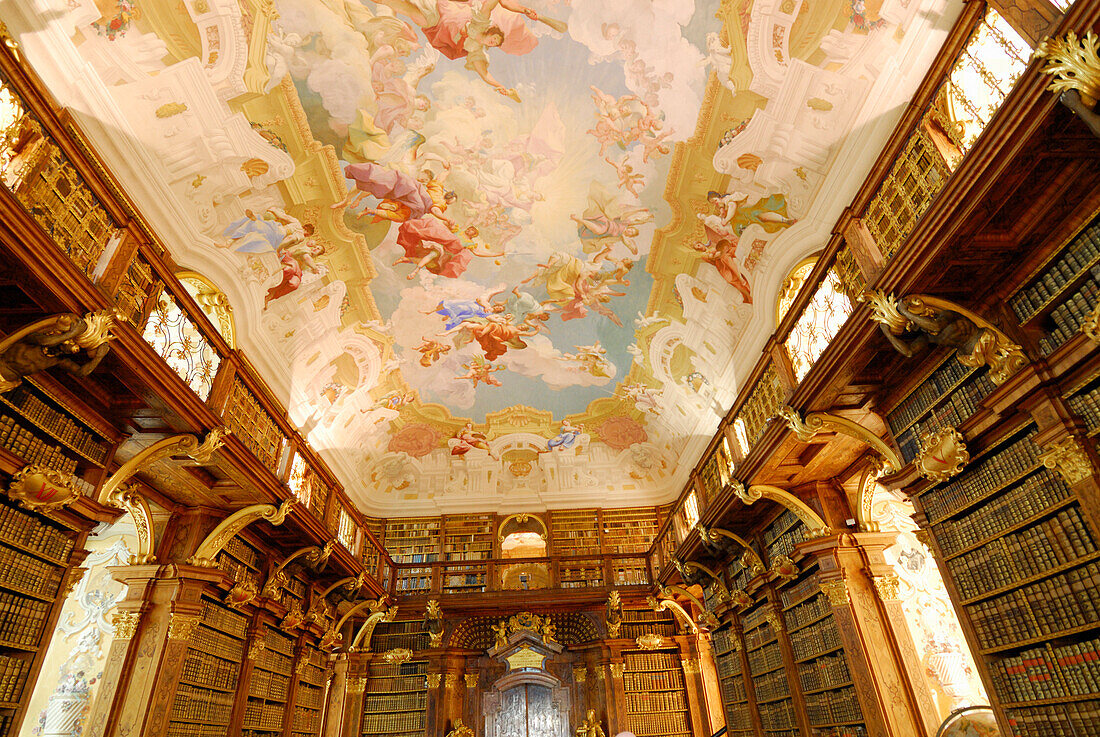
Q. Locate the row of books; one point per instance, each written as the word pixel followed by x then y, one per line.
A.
pixel 1078 719
pixel 275 662
pixel 630 576
pixel 759 636
pixel 13 674
pixel 1058 603
pixel 738 574
pixel 215 642
pixel 244 552
pixel 631 630
pixel 405 721
pixel 22 619
pixel 822 638
pixel 780 525
pixel 959 406
pixel 183 729
pixel 201 705
pixel 306 721
pixel 413 583
pixel 766 658
pixel 376 703
pixel 28 574
pixel 927 393
pixel 1049 672
pixel 212 672
pixel 829 707
pixel 1079 256
pixel 226 620
pixel 785 543
pixel 811 610
pixel 842 730
pixel 771 686
pixel 652 725
pixel 24 443
pixel 791 595
pixel 647 703
pixel 266 716
pixel 651 661
pixel 755 617
pixel 381 669
pixel 394 685
pixel 723 639
pixel 824 672
pixel 1031 496
pixel 738 717
pixel 308 696
pixel 413 641
pixel 276 641
pixel 733 688
pixel 978 479
pixel 729 664
pixel 1086 404
pixel 659 680
pixel 777 715
pixel 58 424
pixel 1032 551
pixel 269 686
pixel 1069 316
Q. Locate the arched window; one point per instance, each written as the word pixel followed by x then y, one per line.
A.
pixel 820 320
pixel 213 302
pixel 792 285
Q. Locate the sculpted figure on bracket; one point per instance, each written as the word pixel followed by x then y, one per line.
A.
pixel 76 344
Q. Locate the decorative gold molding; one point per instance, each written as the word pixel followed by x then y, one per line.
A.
pixel 357 686
pixel 691 666
pixel 128 498
pixel 942 454
pixel 96 332
pixel 432 613
pixel 361 641
pixel 352 584
pixel 316 556
pixel 42 489
pixel 711 535
pixel 687 569
pixel 886 586
pixel 784 568
pixel 1091 326
pixel 816 526
pixel 676 609
pixel 613 616
pixel 450 680
pixel 242 594
pixel 433 680
pixel 75 576
pixel 617 670
pixel 400 655
pixel 522 518
pixel 471 680
pixel 228 528
pixel 182 626
pixel 294 617
pixel 255 647
pixel 1072 64
pixel 187 445
pixel 580 673
pixel 774 620
pixel 1069 459
pixel 836 590
pixel 740 598
pixel 649 641
pixel 125 624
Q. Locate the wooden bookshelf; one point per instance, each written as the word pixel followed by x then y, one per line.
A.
pixel 395 702
pixel 638 622
pixel 207 691
pixel 242 562
pixel 466 538
pixel 581 573
pixel 415 540
pixel 628 531
pixel 309 692
pixel 269 685
pixel 782 535
pixel 654 689
pixel 731 681
pixel 767 670
pixel 575 531
pixel 407 634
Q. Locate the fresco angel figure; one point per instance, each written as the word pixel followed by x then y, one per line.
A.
pixel 430 245
pixel 480 370
pixel 623 121
pixel 643 396
pixel 733 213
pixel 252 234
pixel 400 196
pixel 494 333
pixel 592 359
pixel 721 252
pixel 467 439
pixel 629 179
pixel 573 285
pixel 567 437
pixel 431 351
pixel 607 222
pixel 469 28
pixel 455 311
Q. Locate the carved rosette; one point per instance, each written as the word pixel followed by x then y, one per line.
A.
pixel 1069 459
pixel 942 454
pixel 125 624
pixel 649 641
pixel 886 586
pixel 182 626
pixel 837 592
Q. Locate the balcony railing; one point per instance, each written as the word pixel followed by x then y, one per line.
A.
pixel 520 574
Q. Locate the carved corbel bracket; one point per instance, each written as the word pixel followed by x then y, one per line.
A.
pixel 1069 459
pixel 277 578
pixel 675 608
pixel 351 584
pixel 128 498
pixel 229 527
pixel 332 636
pixel 361 641
pixel 187 445
pixel 689 569
pixel 816 526
pixel 713 534
pixel 1073 64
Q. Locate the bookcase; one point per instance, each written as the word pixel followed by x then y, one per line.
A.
pixel 580 573
pixel 638 622
pixel 628 531
pixel 269 685
pixel 309 692
pixel 731 681
pixel 414 540
pixel 207 689
pixel 35 426
pixel 653 685
pixel 467 537
pixel 35 552
pixel 395 702
pixel 408 634
pixel 575 531
pixel 242 562
pixel 767 671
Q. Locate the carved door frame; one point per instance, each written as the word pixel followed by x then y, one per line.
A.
pixel 492 700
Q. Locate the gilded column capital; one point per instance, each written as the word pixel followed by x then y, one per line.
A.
pixel 450 679
pixel 357 685
pixel 182 626
pixel 617 670
pixel 1069 459
pixel 125 624
pixel 837 592
pixel 471 680
pixel 691 666
pixel 433 680
pixel 580 673
pixel 255 647
pixel 886 586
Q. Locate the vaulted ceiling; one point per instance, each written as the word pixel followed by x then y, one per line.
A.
pixel 492 255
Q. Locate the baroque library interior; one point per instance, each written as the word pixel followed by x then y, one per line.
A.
pixel 334 404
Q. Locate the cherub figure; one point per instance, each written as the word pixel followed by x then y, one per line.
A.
pixel 479 370
pixel 629 179
pixel 467 439
pixel 431 351
pixel 643 396
pixel 500 633
pixel 591 359
pixel 718 57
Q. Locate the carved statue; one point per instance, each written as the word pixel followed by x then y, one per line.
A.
pixel 717 546
pixel 692 575
pixel 590 727
pixel 458 729
pixel 614 616
pixel 76 344
pixel 548 630
pixel 915 322
pixel 433 623
pixel 500 633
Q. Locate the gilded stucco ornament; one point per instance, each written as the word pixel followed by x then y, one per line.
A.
pixel 471 680
pixel 691 666
pixel 1074 67
pixel 886 586
pixel 207 552
pixel 942 454
pixel 917 321
pixel 433 623
pixel 127 498
pixel 618 669
pixel 433 680
pixel 717 540
pixel 649 641
pixel 397 655
pixel 125 624
pixel 182 626
pixel 277 579
pixel 242 593
pixel 294 617
pixel 816 526
pixel 42 489
pixel 836 590
pixel 613 616
pixel 458 729
pixel 580 673
pixel 784 568
pixel 1069 459
pixel 741 599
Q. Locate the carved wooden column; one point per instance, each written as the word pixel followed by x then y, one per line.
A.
pixel 862 589
pixel 153 625
pixel 616 689
pixel 698 713
pixel 863 248
pixel 750 689
pixel 711 686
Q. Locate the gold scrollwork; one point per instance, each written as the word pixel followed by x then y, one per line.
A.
pixel 42 488
pixel 182 626
pixel 942 454
pixel 242 594
pixel 816 526
pixel 1091 326
pixel 125 624
pixel 886 586
pixel 1069 459
pixel 691 666
pixel 649 641
pixel 433 680
pixel 128 498
pixel 379 613
pixel 1073 64
pixel 188 445
pixel 749 557
pixel 228 528
pixel 784 568
pixel 580 673
pixel 471 680
pixel 618 669
pixel 398 655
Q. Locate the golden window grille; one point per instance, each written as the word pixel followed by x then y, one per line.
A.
pixel 763 403
pixel 253 426
pixel 916 178
pixel 819 322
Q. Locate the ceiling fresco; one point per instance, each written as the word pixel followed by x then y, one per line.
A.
pixel 494 253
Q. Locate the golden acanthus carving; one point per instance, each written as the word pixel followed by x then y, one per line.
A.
pixel 1073 64
pixel 1069 459
pixel 649 641
pixel 816 526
